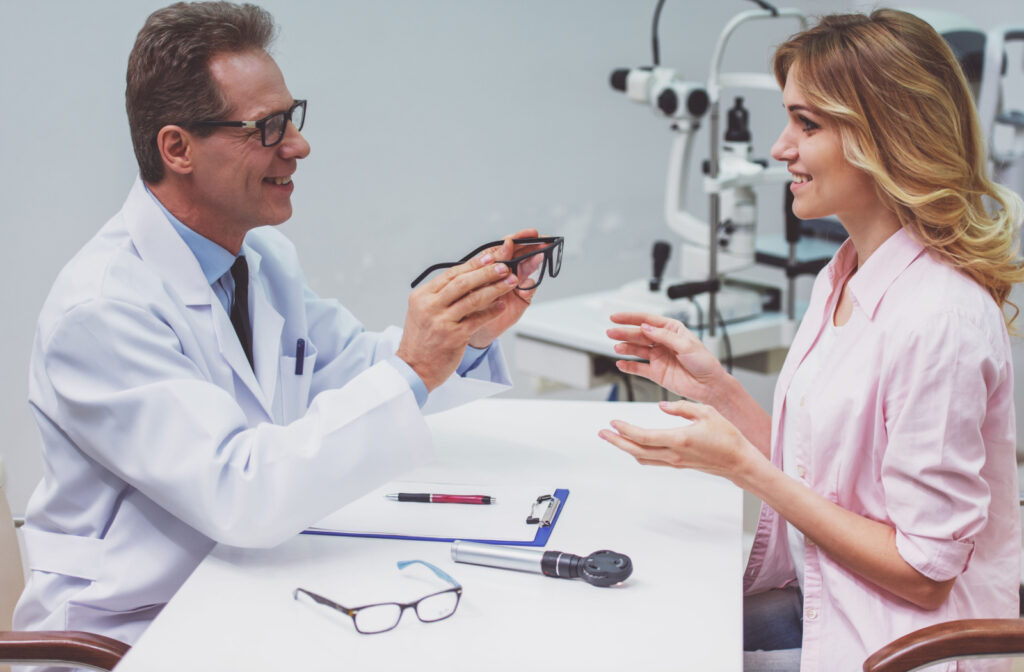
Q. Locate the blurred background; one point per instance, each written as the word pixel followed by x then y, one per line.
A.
pixel 435 126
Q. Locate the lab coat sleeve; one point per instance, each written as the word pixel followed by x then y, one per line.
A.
pixel 345 348
pixel 129 398
pixel 936 496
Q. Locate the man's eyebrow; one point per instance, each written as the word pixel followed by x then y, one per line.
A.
pixel 266 112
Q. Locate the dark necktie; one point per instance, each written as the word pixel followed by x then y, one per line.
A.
pixel 240 307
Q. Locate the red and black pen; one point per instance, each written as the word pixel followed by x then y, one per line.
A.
pixel 428 498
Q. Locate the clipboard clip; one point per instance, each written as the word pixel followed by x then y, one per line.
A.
pixel 549 513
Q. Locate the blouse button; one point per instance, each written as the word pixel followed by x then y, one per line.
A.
pixel 802 400
pixel 800 471
pixel 811 614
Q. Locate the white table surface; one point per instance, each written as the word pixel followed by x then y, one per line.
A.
pixel 681 609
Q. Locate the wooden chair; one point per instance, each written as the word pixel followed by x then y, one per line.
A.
pixel 79 649
pixel 967 638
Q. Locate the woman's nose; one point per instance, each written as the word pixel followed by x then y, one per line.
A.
pixel 784 148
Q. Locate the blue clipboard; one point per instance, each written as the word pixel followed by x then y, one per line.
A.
pixel 540 539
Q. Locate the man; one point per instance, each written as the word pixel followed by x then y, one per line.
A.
pixel 189 386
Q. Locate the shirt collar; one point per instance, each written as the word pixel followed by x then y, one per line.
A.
pixel 213 259
pixel 871 281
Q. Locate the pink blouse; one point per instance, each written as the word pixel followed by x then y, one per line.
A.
pixel 911 423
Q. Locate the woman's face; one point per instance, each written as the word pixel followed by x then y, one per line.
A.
pixel 824 182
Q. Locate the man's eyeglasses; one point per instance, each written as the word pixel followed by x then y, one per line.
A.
pixel 272 126
pixel 527 263
pixel 371 619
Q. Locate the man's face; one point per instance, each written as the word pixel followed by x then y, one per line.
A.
pixel 238 184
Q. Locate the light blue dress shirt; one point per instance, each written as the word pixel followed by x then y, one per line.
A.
pixel 215 262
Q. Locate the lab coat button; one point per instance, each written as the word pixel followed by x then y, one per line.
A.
pixel 811 614
pixel 802 400
pixel 801 472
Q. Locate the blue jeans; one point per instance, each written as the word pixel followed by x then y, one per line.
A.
pixel 773 620
pixel 773 630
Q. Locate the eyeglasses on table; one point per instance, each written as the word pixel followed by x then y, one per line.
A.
pixel 530 257
pixel 272 126
pixel 371 619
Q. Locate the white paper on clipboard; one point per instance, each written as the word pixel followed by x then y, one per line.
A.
pixel 374 514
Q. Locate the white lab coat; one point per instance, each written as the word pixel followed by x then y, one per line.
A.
pixel 160 441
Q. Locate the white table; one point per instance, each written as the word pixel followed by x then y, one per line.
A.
pixel 681 609
pixel 564 340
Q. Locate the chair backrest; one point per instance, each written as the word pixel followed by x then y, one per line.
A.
pixel 12 577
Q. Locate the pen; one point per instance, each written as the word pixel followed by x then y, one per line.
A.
pixel 441 499
pixel 300 356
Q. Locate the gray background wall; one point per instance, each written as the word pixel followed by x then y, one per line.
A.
pixel 435 125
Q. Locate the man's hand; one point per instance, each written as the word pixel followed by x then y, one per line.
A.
pixel 445 313
pixel 513 304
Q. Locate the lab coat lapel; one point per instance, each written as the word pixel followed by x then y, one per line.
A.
pixel 160 246
pixel 267 325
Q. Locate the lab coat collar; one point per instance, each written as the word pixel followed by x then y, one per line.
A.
pixel 162 248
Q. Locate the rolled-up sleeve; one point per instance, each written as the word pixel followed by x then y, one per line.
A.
pixel 935 404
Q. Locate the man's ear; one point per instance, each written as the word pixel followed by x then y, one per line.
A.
pixel 176 146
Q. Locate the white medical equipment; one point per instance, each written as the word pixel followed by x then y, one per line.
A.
pixel 984 57
pixel 563 341
pixel 700 294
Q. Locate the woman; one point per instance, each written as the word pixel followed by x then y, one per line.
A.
pixel 887 469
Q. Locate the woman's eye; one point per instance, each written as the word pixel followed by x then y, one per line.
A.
pixel 808 125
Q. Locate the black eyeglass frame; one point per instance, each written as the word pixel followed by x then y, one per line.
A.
pixel 261 124
pixel 555 243
pixel 352 611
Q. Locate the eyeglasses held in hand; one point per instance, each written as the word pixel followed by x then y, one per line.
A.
pixel 371 619
pixel 272 126
pixel 527 263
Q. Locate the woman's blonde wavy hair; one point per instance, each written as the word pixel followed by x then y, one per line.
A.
pixel 905 115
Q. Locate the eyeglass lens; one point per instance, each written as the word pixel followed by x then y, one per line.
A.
pixel 437 607
pixel 273 130
pixel 382 617
pixel 378 617
pixel 530 263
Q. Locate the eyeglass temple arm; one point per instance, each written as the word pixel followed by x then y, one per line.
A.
pixel 441 574
pixel 435 267
pixel 449 264
pixel 493 243
pixel 322 600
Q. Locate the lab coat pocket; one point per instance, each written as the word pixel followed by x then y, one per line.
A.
pixel 296 376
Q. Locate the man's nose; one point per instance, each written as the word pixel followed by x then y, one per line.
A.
pixel 294 145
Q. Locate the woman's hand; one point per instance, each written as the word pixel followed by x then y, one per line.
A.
pixel 710 443
pixel 676 359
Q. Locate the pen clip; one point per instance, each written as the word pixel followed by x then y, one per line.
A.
pixel 300 355
pixel 549 513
